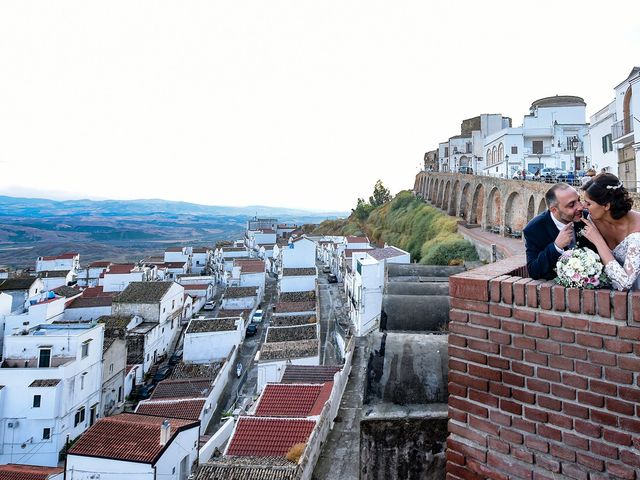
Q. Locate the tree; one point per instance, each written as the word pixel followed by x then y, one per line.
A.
pixel 362 210
pixel 381 195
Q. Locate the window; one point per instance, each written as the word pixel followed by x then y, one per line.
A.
pixel 36 401
pixel 46 433
pixel 79 417
pixel 446 151
pixel 501 152
pixel 45 358
pixel 82 381
pixel 111 368
pixel 85 349
pixel 607 144
pixel 173 304
pixel 537 147
pixel 514 150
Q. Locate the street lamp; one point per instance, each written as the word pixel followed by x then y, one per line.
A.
pixel 506 166
pixel 574 146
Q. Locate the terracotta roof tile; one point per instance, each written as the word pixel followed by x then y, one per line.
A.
pixel 250 266
pixel 47 382
pixel 224 313
pixel 386 252
pixel 13 471
pixel 289 350
pixel 128 437
pixel 121 268
pixel 291 333
pixel 352 239
pixel 182 388
pixel 144 292
pixel 212 325
pixel 240 292
pixel 265 437
pixel 83 302
pixel 248 468
pixel 292 272
pixel 309 373
pixel 297 297
pixel 185 409
pixel 293 400
pixel 62 256
pixel 290 307
pixel 196 286
pixel 16 283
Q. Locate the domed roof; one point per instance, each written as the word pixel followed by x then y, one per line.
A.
pixel 558 101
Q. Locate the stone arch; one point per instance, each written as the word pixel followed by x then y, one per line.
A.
pixel 444 204
pixel 494 208
pixel 542 206
pixel 434 195
pixel 453 202
pixel 477 205
pixel 464 201
pixel 513 209
pixel 531 209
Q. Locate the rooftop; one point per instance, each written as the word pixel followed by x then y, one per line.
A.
pixel 99 264
pixel 47 382
pixel 248 468
pixel 21 283
pixel 297 297
pixel 185 409
pixel 241 292
pixel 289 350
pixel 292 307
pixel 352 239
pixel 14 471
pixel 182 388
pixel 62 256
pixel 121 268
pixel 212 325
pixel 224 313
pixel 144 292
pixel 112 322
pixel 65 291
pixel 293 400
pixel 175 264
pixel 88 302
pixel 292 272
pixel 195 371
pixel 386 252
pixel 250 266
pixel 293 333
pixel 266 437
pixel 196 286
pixel 127 437
pixel 291 320
pixel 309 373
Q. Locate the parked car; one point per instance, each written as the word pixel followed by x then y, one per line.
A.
pixel 331 278
pixel 517 175
pixel 466 170
pixel 162 373
pixel 210 305
pixel 252 329
pixel 257 316
pixel 175 358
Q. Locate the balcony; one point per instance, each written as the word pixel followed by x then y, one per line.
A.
pixel 622 131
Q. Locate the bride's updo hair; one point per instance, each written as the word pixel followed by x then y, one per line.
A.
pixel 606 188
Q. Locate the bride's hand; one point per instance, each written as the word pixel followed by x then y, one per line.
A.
pixel 591 233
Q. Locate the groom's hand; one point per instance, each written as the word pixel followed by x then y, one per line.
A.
pixel 565 237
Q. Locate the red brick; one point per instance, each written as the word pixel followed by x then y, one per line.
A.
pixel 564 336
pixel 549 432
pixel 483 398
pixel 630 333
pixel 604 388
pixel 547 464
pixel 618 346
pixel 593 371
pixel 500 338
pixel 522 368
pixel 573 410
pixel 484 319
pixel 588 302
pixel 548 374
pixel 562 391
pixel 494 287
pixel 575 323
pixel 510 352
pixel 607 329
pixel 487 347
pixel 458 316
pixel 471 305
pixel 511 436
pixel 588 429
pixel 548 347
pixel 536 331
pixel 468 330
pixel 563 452
pixel 617 437
pixel 512 327
pixel 602 358
pixel 468 433
pixel 635 307
pixel 457 340
pixel 532 293
pixel 524 315
pixel 524 425
pixel 468 407
pixel 519 289
pixel 544 295
pixel 558 294
pixel 507 289
pixel 522 455
pixel 573 471
pixel 575 381
pixel 500 363
pixel 618 376
pixel 573 300
pixel 535 414
pixel 524 342
pixel 468 355
pixel 537 358
pixel 483 425
pixel 561 363
pixel 457 365
pixel 604 418
pixel 457 390
pixel 620 305
pixel 467 381
pixel 538 385
pixel 499 389
pixel 592 399
pixel 500 310
pixel 511 407
pixel 630 425
pixel 572 351
pixel 455 457
pixel 463 473
pixel 484 372
pixel 511 379
pixel 523 396
pixel 621 471
pixel 603 298
pixel 562 421
pixel 631 394
pixel 549 403
pixel 500 418
pixel 589 340
pixel 618 406
pixel 487 472
pixel 474 287
pixel 466 450
pixel 576 441
pixel 513 468
pixel 497 445
pixel 550 320
pixel 630 458
pixel 457 415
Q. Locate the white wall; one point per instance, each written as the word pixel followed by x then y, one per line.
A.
pixel 86 313
pixel 209 346
pixel 217 440
pixel 302 255
pixel 241 303
pixel 302 283
pixel 600 126
pixel 85 468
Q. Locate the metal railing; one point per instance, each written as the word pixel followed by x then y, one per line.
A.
pixel 622 127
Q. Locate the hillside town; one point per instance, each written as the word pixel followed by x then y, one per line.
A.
pixel 201 362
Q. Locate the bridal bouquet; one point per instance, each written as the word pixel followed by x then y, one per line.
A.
pixel 581 268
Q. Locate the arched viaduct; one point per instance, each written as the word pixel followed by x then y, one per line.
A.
pixel 484 201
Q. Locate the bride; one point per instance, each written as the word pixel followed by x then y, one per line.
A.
pixel 614 229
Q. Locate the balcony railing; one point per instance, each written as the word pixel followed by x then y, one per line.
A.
pixel 622 127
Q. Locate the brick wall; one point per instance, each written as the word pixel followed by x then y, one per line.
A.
pixel 543 380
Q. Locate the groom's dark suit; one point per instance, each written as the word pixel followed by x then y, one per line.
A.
pixel 542 255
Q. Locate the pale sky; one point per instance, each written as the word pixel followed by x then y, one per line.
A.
pixel 283 103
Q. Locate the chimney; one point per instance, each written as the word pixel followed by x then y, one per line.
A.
pixel 165 432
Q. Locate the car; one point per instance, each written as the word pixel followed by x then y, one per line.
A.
pixel 517 175
pixel 257 316
pixel 551 175
pixel 162 373
pixel 252 329
pixel 332 278
pixel 465 170
pixel 175 358
pixel 210 305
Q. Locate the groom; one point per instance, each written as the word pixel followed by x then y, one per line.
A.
pixel 552 232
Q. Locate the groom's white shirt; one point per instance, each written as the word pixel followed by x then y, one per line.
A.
pixel 560 226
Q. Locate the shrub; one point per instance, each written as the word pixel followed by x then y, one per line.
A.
pixel 448 251
pixel 296 451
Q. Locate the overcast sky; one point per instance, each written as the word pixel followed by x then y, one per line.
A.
pixel 284 103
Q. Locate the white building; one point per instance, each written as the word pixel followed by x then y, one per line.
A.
pixel 211 339
pixel 132 446
pixel 117 277
pixel 625 131
pixel 201 258
pixel 39 312
pixel 52 381
pixel 298 279
pixel 88 308
pixel 56 278
pixel 300 252
pixel 64 262
pixel 178 254
pixel 31 472
pixel 240 298
pixel 249 273
pixel 89 276
pixel 21 290
pixel 603 154
pixel 114 364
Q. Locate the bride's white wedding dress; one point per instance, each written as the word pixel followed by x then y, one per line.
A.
pixel 625 272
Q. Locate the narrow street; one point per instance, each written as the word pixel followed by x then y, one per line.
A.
pixel 332 309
